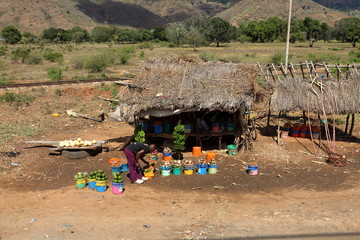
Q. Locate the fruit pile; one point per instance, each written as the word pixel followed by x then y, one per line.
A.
pixel 100 175
pixel 92 175
pixel 80 175
pixel 118 178
pixel 77 143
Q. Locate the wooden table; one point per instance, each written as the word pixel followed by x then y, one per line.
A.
pixel 197 136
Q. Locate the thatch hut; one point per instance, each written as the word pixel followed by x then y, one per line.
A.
pixel 317 95
pixel 174 85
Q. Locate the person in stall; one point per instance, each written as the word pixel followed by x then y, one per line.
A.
pixel 134 152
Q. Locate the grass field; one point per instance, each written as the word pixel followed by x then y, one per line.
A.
pixel 248 53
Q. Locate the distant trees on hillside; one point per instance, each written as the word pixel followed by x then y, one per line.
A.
pixel 200 32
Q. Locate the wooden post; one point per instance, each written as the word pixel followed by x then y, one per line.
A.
pixel 302 70
pixel 347 124
pixel 269 114
pixel 304 116
pixel 352 123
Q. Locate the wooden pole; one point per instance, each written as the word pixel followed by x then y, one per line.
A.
pixel 304 116
pixel 352 123
pixel 269 114
pixel 347 124
pixel 288 39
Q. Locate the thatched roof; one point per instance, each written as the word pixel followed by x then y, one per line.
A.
pixel 189 83
pixel 342 97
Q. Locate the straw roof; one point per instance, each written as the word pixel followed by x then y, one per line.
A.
pixel 340 97
pixel 189 83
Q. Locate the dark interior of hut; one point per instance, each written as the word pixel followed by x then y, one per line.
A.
pixel 210 130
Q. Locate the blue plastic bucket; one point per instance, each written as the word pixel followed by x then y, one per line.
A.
pixel 153 157
pixel 101 188
pixel 124 167
pixel 115 170
pixel 157 128
pixel 92 185
pixel 81 185
pixel 201 169
pixel 252 170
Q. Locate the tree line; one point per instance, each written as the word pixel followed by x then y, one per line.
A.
pixel 199 32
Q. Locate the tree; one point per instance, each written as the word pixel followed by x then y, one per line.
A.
pixel 347 30
pixel 313 29
pixel 11 35
pixel 176 33
pixel 78 34
pixel 29 38
pixel 219 31
pixel 55 35
pixel 194 38
pixel 101 34
pixel 21 54
pixel 160 33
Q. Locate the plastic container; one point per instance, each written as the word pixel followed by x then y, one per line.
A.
pixel 212 169
pixel 165 171
pixel 215 127
pixel 81 183
pixel 149 173
pixel 167 156
pixel 209 156
pixel 252 170
pixel 176 170
pixel 158 127
pixel 153 156
pixel 116 188
pixel 295 131
pixel 303 131
pixel 316 135
pixel 229 127
pixel 124 167
pixel 201 169
pixel 101 186
pixel 167 128
pixel 187 128
pixel 115 170
pixel 196 151
pixel 91 183
pixel 189 172
pixel 284 134
pixel 232 149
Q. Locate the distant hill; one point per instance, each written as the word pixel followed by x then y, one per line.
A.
pixel 37 15
pixel 344 5
pixel 248 10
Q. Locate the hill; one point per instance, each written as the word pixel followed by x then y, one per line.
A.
pixel 248 10
pixel 344 5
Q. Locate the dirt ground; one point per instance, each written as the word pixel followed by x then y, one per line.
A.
pixel 295 195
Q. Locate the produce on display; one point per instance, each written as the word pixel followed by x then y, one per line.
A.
pixel 179 139
pixel 118 178
pixel 139 133
pixel 101 176
pixel 80 179
pixel 77 143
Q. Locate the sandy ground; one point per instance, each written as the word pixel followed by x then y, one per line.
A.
pixel 294 196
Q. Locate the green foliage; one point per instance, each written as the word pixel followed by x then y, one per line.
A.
pixel 11 34
pixel 54 74
pixel 139 133
pixel 20 54
pixel 347 30
pixel 277 58
pixel 323 57
pixel 34 58
pixel 52 56
pixel 232 59
pixel 355 56
pixel 98 63
pixel 102 34
pixel 146 45
pixel 220 31
pixel 176 33
pixel 142 54
pixel 58 92
pixel 179 137
pixel 208 56
pixel 78 62
pixel 3 51
pixel 16 98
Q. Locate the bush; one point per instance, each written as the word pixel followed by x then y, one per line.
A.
pixel 354 56
pixel 277 58
pixel 54 74
pixel 34 58
pixel 146 45
pixel 3 51
pixel 16 98
pixel 207 56
pixel 52 56
pixel 20 54
pixel 232 59
pixel 323 57
pixel 97 63
pixel 78 62
pixel 124 58
pixel 128 49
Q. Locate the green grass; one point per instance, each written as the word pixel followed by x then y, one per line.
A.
pixel 9 130
pixel 248 53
